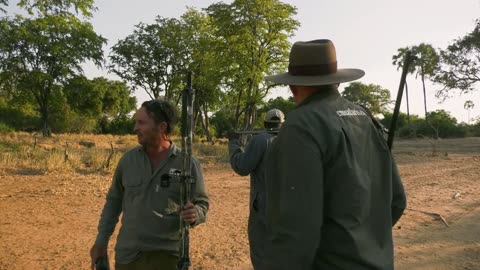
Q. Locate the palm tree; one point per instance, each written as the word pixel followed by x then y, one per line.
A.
pixel 425 63
pixel 468 106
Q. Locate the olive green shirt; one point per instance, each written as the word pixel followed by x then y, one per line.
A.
pixel 150 207
pixel 333 190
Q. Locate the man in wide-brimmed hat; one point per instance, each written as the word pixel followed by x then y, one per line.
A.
pixel 333 189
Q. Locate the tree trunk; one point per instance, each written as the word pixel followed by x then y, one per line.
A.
pixel 203 117
pixel 425 105
pixel 424 95
pixel 207 123
pixel 44 118
pixel 237 109
pixel 408 103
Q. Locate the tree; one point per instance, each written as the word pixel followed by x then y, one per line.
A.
pixel 254 42
pixel 151 58
pixel 3 3
pixel 38 55
pixel 399 61
pixel 443 124
pixel 373 97
pixel 56 7
pixel 425 64
pixel 460 64
pixel 468 106
pixel 407 125
pixel 284 105
pixel 202 58
pixel 105 101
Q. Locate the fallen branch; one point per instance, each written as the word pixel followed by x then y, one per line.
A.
pixel 431 214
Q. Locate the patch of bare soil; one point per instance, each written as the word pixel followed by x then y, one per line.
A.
pixel 49 221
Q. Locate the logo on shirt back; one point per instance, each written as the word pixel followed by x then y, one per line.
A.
pixel 349 112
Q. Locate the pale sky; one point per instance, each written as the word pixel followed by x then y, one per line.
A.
pixel 366 34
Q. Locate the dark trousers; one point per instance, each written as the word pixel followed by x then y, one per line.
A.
pixel 257 236
pixel 151 260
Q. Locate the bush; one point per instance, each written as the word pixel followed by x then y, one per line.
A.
pixel 5 128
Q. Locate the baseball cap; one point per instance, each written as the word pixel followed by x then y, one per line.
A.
pixel 274 116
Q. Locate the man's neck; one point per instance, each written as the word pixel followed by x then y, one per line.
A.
pixel 154 150
pixel 156 153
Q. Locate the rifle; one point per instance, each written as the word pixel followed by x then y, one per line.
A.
pixel 257 131
pixel 186 179
pixel 406 63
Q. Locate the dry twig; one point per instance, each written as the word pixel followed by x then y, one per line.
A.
pixel 436 215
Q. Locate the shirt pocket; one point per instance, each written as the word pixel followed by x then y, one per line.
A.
pixel 131 180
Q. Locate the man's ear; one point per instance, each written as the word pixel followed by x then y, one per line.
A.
pixel 163 127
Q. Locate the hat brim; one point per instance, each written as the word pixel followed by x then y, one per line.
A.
pixel 341 76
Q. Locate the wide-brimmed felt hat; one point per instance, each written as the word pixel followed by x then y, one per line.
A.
pixel 314 63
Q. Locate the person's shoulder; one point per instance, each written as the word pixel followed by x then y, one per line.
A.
pixel 129 156
pixel 135 151
pixel 177 152
pixel 262 137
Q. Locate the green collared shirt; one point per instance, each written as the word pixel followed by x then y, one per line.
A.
pixel 149 201
pixel 333 190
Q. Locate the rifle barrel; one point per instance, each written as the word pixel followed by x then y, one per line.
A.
pixel 254 132
pixel 396 112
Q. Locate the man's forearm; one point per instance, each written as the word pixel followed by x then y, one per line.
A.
pixel 108 221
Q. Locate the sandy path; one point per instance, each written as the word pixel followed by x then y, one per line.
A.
pixel 49 221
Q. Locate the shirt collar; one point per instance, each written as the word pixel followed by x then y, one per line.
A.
pixel 321 94
pixel 173 150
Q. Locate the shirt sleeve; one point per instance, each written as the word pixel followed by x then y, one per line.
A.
pixel 245 162
pixel 399 199
pixel 294 201
pixel 200 197
pixel 111 209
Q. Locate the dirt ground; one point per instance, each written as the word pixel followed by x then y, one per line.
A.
pixel 49 221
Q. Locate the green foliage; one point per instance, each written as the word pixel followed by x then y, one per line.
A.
pixel 57 7
pixel 425 64
pixel 373 97
pixel 460 64
pixel 3 3
pixel 474 130
pixel 19 113
pixel 440 125
pixel 120 126
pixel 222 121
pixel 284 105
pixel 253 42
pixel 202 58
pixel 444 125
pixel 151 57
pixel 103 104
pixel 37 55
pixel 4 128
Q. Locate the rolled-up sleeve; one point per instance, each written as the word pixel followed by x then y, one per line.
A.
pixel 200 198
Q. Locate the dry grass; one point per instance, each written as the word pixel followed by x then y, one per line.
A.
pixel 82 153
pixel 29 153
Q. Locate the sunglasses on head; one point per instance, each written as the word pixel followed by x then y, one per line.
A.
pixel 157 108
